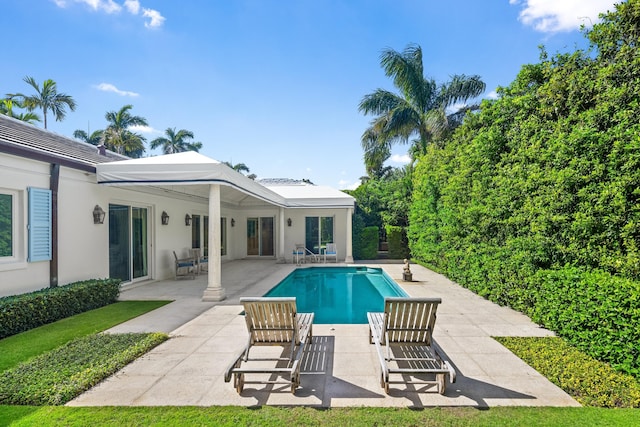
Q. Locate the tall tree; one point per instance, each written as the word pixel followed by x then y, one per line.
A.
pixel 48 99
pixel 7 106
pixel 117 136
pixel 94 139
pixel 176 142
pixel 419 113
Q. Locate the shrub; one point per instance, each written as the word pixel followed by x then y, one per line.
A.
pixel 368 243
pixel 590 382
pixel 595 311
pixel 397 240
pixel 20 313
pixel 58 376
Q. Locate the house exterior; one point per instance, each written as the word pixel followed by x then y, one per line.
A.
pixel 70 211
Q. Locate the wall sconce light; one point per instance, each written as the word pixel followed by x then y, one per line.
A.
pixel 187 220
pixel 98 215
pixel 165 218
pixel 233 222
pixel 289 222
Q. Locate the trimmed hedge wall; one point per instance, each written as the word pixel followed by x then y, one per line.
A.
pixel 20 313
pixel 595 311
pixel 397 241
pixel 366 243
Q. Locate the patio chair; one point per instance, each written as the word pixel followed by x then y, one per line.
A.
pixel 272 321
pixel 202 263
pixel 331 251
pixel 405 345
pixel 184 267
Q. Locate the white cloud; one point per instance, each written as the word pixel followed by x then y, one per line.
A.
pixel 400 158
pixel 133 6
pixel 492 95
pixel 155 19
pixel 550 16
pixel 346 185
pixel 144 129
pixel 108 87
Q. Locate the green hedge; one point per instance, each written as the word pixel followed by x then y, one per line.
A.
pixel 20 313
pixel 595 311
pixel 397 241
pixel 366 243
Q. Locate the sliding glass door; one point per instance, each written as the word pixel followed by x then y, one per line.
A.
pixel 128 242
pixel 260 236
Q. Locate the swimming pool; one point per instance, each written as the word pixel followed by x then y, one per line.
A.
pixel 338 294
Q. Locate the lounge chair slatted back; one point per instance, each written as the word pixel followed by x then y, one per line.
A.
pixel 410 321
pixel 271 323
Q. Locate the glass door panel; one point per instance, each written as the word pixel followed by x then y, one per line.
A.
pixel 119 247
pixel 311 234
pixel 140 242
pixel 253 238
pixel 266 236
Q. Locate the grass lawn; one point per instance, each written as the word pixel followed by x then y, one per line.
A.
pixel 21 347
pixel 272 416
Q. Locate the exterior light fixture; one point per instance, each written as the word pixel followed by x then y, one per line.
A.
pixel 98 215
pixel 233 222
pixel 187 220
pixel 165 218
pixel 289 222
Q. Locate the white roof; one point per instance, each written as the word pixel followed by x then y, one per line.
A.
pixel 191 168
pixel 308 195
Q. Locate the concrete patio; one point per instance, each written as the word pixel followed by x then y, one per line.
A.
pixel 340 368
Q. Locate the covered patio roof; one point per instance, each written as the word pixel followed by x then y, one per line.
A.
pixel 187 172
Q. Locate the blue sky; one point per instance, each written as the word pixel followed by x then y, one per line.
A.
pixel 274 84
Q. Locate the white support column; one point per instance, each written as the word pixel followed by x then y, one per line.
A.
pixel 349 257
pixel 281 256
pixel 214 291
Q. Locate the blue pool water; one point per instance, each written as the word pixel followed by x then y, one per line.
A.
pixel 338 294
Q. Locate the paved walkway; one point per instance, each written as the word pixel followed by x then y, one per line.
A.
pixel 341 367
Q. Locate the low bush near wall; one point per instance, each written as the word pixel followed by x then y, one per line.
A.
pixel 590 382
pixel 59 375
pixel 595 311
pixel 397 240
pixel 20 313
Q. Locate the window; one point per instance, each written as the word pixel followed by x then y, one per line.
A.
pixel 318 232
pixel 6 224
pixel 195 234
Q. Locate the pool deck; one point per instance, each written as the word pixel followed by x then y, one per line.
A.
pixel 339 369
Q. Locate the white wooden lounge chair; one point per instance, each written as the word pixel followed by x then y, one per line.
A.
pixel 300 254
pixel 405 345
pixel 272 321
pixel 185 267
pixel 331 251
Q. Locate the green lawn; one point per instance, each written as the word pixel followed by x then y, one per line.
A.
pixel 272 416
pixel 21 347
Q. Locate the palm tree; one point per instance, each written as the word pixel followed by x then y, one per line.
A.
pixel 117 136
pixel 176 142
pixel 48 99
pixel 6 108
pixel 420 111
pixel 238 167
pixel 94 139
